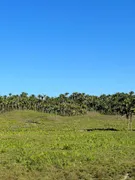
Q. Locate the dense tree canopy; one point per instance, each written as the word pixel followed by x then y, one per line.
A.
pixel 74 104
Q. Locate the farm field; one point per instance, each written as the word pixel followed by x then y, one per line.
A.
pixel 39 146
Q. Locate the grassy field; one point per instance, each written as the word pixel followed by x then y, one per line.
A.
pixel 37 146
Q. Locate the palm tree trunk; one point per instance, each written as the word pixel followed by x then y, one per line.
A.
pixel 130 121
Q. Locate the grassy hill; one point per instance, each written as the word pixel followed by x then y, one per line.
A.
pixel 38 146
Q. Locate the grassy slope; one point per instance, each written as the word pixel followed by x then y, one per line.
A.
pixel 37 146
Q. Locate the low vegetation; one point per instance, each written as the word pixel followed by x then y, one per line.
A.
pixel 36 145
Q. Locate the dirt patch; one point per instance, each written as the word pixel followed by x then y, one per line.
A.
pixel 100 129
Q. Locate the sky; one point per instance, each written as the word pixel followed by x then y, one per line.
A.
pixel 52 47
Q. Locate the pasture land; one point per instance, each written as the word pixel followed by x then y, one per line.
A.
pixel 38 146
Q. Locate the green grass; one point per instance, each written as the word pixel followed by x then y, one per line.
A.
pixel 37 146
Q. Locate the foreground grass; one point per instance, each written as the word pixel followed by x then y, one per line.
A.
pixel 37 146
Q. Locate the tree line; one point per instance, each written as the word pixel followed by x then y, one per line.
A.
pixel 74 104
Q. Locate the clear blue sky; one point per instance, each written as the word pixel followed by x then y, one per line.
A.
pixel 57 46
